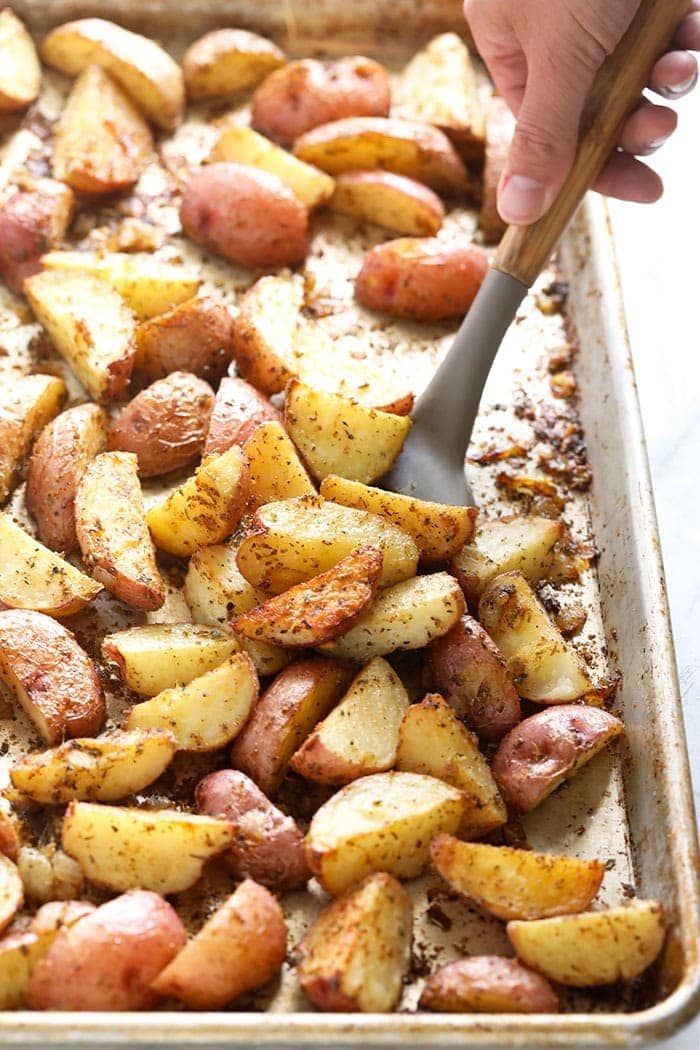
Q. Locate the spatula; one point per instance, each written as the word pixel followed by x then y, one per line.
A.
pixel 431 465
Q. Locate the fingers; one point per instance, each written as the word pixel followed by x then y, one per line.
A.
pixel 647 129
pixel 629 179
pixel 674 75
pixel 687 35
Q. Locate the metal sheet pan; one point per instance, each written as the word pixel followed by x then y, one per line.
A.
pixel 633 810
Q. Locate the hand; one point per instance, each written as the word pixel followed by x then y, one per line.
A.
pixel 543 56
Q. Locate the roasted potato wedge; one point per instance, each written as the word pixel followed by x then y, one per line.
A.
pixel 548 748
pixel 95 770
pixel 143 68
pixel 110 523
pixel 470 672
pixel 545 667
pixel 408 615
pixel 361 735
pixel 295 539
pixel 102 142
pixel 275 471
pixel 194 336
pixel 386 199
pixel 241 947
pixel 439 530
pixel 10 831
pixel 208 712
pixel 488 984
pixel 432 740
pixel 228 60
pixel 592 948
pixel 500 125
pixel 33 220
pixel 49 874
pixel 239 409
pixel 382 822
pixel 517 883
pixel 160 656
pixel 11 891
pixel 27 404
pixel 124 849
pixel 205 509
pixel 50 676
pixel 358 951
pixel 299 697
pixel 20 72
pixel 58 461
pixel 33 577
pixel 242 145
pixel 268 845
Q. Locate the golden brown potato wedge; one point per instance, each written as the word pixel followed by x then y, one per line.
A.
pixel 360 736
pixel 275 471
pixel 49 874
pixel 432 740
pixel 20 72
pixel 500 125
pixel 33 577
pixel 241 947
pixel 143 68
pixel 11 891
pixel 488 984
pixel 438 529
pixel 27 404
pixel 239 409
pixel 124 849
pixel 299 697
pixel 548 748
pixel 517 883
pixel 95 770
pixel 295 539
pixel 228 60
pixel 89 325
pixel 194 336
pixel 102 142
pixel 50 676
pixel 58 461
pixel 110 523
pixel 160 656
pixel 386 199
pixel 10 831
pixel 33 220
pixel 208 712
pixel 383 822
pixel 545 667
pixel 592 948
pixel 408 615
pixel 358 951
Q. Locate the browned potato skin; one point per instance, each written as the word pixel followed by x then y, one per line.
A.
pixel 10 840
pixel 32 222
pixel 304 94
pixel 422 279
pixel 268 846
pixel 166 424
pixel 194 337
pixel 416 209
pixel 238 410
pixel 500 124
pixel 488 984
pixel 546 748
pixel 27 404
pixel 57 463
pixel 247 215
pixel 108 959
pixel 210 51
pixel 59 677
pixel 469 671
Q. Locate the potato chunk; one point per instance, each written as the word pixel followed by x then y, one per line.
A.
pixel 11 891
pixel 382 822
pixel 275 471
pixel 385 199
pixel 488 984
pixel 159 656
pixel 194 336
pixel 239 409
pixel 228 60
pixel 20 72
pixel 245 146
pixel 26 406
pixel 517 883
pixel 33 220
pixel 593 948
pixel 357 953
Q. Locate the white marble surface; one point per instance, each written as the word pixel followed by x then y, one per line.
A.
pixel 658 254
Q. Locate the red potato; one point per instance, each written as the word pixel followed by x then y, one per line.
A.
pixel 245 214
pixel 195 336
pixel 500 125
pixel 423 279
pixel 548 748
pixel 268 846
pixel 488 984
pixel 389 200
pixel 240 948
pixel 32 222
pixel 238 410
pixel 228 60
pixel 166 424
pixel 470 672
pixel 108 959
pixel 304 94
pixel 10 839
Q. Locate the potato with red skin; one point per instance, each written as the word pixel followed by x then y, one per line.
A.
pixel 268 846
pixel 422 279
pixel 247 215
pixel 238 410
pixel 488 984
pixel 33 220
pixel 386 199
pixel 108 959
pixel 304 94
pixel 548 748
pixel 195 336
pixel 500 125
pixel 469 671
pixel 10 839
pixel 166 424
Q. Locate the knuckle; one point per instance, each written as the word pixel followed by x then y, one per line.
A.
pixel 542 144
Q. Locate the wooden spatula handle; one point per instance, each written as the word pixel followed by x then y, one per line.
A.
pixel 525 250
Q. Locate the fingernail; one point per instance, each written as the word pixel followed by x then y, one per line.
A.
pixel 677 90
pixel 651 147
pixel 521 200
